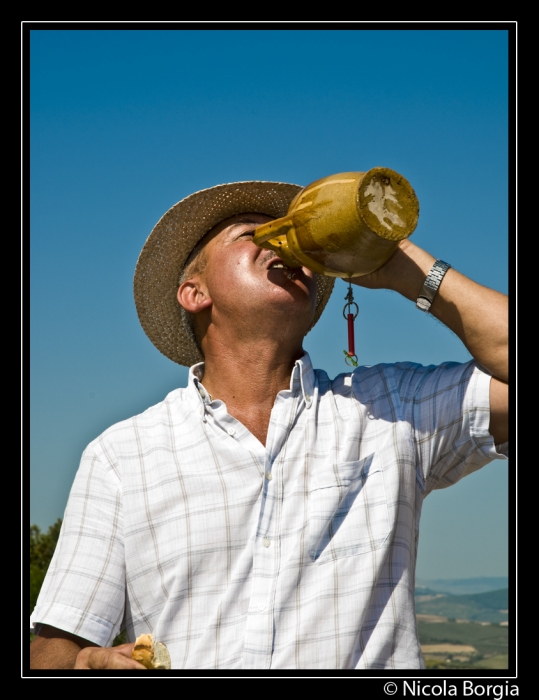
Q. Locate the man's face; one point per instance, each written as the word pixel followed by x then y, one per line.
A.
pixel 249 283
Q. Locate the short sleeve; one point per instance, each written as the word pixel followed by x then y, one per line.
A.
pixel 84 589
pixel 448 407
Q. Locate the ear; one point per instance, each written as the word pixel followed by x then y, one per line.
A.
pixel 193 295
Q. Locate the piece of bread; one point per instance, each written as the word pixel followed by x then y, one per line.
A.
pixel 149 653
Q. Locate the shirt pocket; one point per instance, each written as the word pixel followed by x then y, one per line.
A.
pixel 348 512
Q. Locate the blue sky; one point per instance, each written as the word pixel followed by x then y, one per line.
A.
pixel 126 122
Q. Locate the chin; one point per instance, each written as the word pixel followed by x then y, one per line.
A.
pixel 296 298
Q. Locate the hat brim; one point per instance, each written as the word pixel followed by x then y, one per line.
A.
pixel 168 246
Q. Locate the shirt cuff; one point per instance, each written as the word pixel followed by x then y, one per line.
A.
pixel 72 620
pixel 478 397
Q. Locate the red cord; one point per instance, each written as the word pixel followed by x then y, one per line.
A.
pixel 351 341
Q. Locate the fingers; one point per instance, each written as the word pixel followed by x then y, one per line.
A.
pixel 107 658
pixel 125 649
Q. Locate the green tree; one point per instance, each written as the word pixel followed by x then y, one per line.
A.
pixel 42 546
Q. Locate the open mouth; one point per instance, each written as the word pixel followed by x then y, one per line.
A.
pixel 290 272
pixel 278 264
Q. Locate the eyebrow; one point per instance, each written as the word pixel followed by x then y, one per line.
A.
pixel 246 220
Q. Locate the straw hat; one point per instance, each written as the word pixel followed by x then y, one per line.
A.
pixel 168 246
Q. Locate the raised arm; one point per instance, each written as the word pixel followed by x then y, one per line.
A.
pixel 54 648
pixel 476 314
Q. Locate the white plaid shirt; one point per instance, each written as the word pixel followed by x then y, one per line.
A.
pixel 297 555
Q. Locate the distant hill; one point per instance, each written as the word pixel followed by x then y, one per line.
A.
pixel 464 586
pixel 479 607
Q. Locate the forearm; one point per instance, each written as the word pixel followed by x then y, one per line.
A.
pixel 476 314
pixel 54 648
pixel 53 653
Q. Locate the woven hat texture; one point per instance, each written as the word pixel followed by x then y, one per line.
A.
pixel 168 246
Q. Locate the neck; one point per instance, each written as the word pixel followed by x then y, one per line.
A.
pixel 248 377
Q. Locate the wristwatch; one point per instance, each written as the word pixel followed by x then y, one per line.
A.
pixel 430 287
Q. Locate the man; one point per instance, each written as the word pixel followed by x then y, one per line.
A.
pixel 266 517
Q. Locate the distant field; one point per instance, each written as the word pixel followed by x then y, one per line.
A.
pixel 463 644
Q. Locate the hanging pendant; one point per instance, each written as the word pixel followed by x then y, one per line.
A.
pixel 350 311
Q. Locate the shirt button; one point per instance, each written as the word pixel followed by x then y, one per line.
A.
pixel 231 431
pixel 268 476
pixel 261 608
pixel 266 542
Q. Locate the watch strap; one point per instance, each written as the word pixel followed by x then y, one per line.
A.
pixel 431 284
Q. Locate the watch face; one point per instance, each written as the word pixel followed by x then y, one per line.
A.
pixel 423 304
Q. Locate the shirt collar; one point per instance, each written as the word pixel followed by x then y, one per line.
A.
pixel 303 374
pixel 302 378
pixel 196 390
